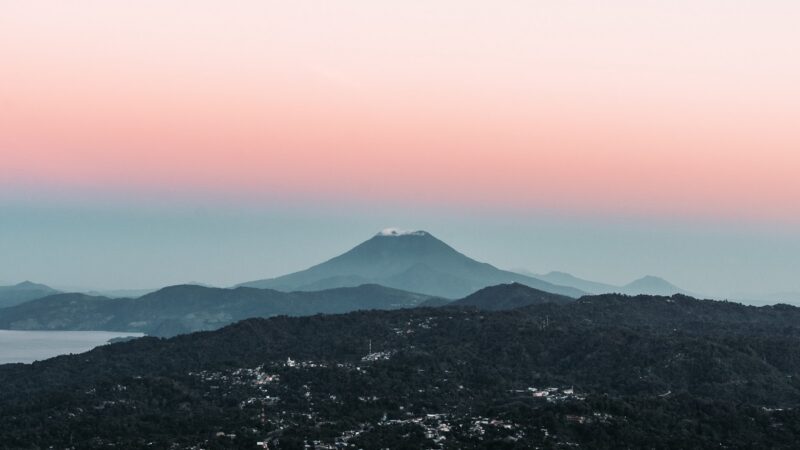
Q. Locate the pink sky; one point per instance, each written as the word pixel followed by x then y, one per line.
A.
pixel 658 108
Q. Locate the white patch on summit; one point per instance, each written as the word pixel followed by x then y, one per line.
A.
pixel 399 232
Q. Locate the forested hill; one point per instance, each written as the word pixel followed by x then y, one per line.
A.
pixel 601 372
pixel 681 313
pixel 508 296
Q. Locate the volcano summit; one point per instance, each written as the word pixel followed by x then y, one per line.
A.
pixel 410 260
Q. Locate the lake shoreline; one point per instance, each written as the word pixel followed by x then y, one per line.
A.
pixel 28 346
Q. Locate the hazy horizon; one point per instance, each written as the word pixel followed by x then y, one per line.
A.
pixel 103 246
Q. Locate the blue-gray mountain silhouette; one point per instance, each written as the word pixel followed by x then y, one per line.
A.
pixel 566 279
pixel 23 292
pixel 186 308
pixel 647 285
pixel 651 285
pixel 416 262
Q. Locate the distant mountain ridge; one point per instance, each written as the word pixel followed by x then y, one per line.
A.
pixel 120 293
pixel 647 285
pixel 412 261
pixel 186 308
pixel 23 292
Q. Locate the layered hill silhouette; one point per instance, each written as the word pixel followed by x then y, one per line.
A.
pixel 23 292
pixel 412 261
pixel 188 308
pixel 647 285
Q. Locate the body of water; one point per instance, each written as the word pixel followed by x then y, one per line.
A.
pixel 29 346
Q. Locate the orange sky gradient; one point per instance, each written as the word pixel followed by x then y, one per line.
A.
pixel 681 108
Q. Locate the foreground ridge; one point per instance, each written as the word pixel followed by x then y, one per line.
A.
pixel 607 371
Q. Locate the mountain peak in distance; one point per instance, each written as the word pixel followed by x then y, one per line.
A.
pixel 414 261
pixel 23 292
pixel 647 285
pixel 652 285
